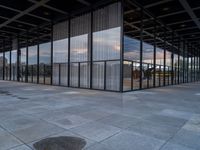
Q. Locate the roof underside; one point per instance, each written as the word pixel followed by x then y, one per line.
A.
pixel 177 18
pixel 180 16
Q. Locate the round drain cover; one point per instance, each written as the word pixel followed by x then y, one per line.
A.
pixel 60 143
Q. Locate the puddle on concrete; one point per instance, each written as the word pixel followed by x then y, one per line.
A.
pixel 145 93
pixel 5 93
pixel 28 89
pixel 12 95
pixel 72 92
pixel 60 143
pixel 22 98
pixel 48 89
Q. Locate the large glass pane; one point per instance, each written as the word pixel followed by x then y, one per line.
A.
pixel 189 67
pixel 106 44
pixel 14 65
pixel 60 54
pixel 84 75
pixel 148 68
pixel 168 66
pixel 23 67
pixel 176 68
pixel 79 51
pixel 159 65
pixel 127 75
pixel 7 65
pixel 32 63
pixel 44 63
pixel 160 36
pixel 181 64
pixel 44 41
pixel 112 75
pixel 148 60
pixel 181 69
pixel 132 52
pixel 98 75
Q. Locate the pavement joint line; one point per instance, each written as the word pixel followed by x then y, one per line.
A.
pixel 16 138
pixel 167 141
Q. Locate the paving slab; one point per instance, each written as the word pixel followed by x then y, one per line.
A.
pixel 22 147
pixel 8 141
pixel 95 131
pixel 132 141
pixel 159 118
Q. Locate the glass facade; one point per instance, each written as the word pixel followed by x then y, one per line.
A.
pixel 153 55
pixel 115 47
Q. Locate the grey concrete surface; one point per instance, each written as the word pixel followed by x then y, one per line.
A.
pixel 166 118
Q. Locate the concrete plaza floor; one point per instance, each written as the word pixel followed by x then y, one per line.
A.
pixel 166 118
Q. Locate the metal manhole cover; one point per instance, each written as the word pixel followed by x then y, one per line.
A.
pixel 60 143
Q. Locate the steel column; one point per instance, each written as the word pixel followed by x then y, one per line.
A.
pixel 141 45
pixel 164 80
pixel 38 58
pixel 91 49
pixel 122 47
pixel 51 80
pixel 3 59
pixel 68 82
pixel 154 55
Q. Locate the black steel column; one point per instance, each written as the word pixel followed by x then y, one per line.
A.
pixel 27 67
pixel 159 75
pixel 18 59
pixel 122 47
pixel 148 78
pixel 172 58
pixel 168 70
pixel 105 70
pixel 3 59
pixel 141 45
pixel 154 55
pixel 187 62
pixel 91 50
pixel 191 66
pixel 10 69
pixel 38 57
pixel 194 65
pixel 59 75
pixel 178 60
pixel 51 82
pixel 164 80
pixel 69 35
pixel 32 73
pixel 183 61
pixel 131 75
pixel 199 64
pixel 44 73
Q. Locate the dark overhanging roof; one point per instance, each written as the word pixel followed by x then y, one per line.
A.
pixel 180 16
pixel 19 16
